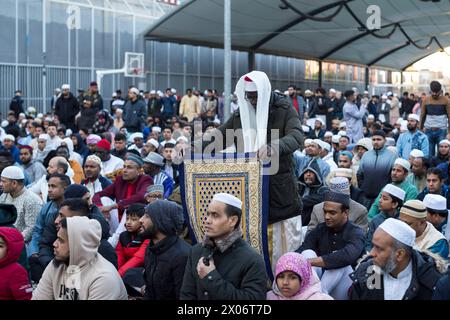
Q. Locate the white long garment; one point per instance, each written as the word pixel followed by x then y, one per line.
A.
pixel 254 123
pixel 395 288
pixel 111 165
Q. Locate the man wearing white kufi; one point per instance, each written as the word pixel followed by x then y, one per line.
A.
pixel 260 111
pixel 428 239
pixel 399 173
pixel 412 139
pixel 394 270
pixel 224 266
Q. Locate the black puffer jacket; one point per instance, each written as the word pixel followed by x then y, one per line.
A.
pixel 166 260
pixel 284 201
pixel 66 108
pixel 424 278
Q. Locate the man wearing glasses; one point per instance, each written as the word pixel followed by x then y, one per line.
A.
pixel 435 116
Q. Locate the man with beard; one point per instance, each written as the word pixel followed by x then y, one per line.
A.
pixel 66 108
pixel 412 139
pixel 167 254
pixel 405 273
pixel 33 168
pixel 94 181
pixel 78 272
pixel 296 101
pixel 153 165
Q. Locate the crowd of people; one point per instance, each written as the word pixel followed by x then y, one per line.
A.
pixel 91 208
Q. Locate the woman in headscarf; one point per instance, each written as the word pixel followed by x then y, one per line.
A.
pixel 295 280
pixel 104 122
pixel 78 145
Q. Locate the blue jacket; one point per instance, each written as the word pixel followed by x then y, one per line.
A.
pixel 45 217
pixel 407 142
pixel 374 171
pixel 302 161
pixel 169 104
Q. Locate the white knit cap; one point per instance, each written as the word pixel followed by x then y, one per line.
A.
pixel 435 202
pixel 228 199
pixel 65 86
pixel 44 136
pixel 395 191
pixel 413 116
pixel 399 230
pixel 328 134
pixel 13 172
pixel 404 163
pixel 416 153
pixel 335 138
pixel 135 90
pixel 157 129
pixel 9 137
pixel 154 143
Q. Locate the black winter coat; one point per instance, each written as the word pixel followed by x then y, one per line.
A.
pixel 424 278
pixel 284 201
pixel 66 109
pixel 16 105
pixel 164 268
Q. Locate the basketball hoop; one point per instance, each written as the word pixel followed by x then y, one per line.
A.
pixel 134 64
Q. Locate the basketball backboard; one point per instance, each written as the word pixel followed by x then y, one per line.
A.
pixel 134 64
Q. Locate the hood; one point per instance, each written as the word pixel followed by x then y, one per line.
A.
pixel 8 214
pixel 81 146
pixel 14 241
pixel 314 167
pixel 295 262
pixel 167 216
pixel 84 239
pixel 254 123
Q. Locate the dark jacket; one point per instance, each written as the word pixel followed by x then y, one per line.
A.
pixel 66 109
pixel 321 106
pixel 442 288
pixel 87 117
pixel 316 191
pixel 374 171
pixel 338 248
pixel 357 195
pixel 166 260
pixel 424 278
pixel 284 201
pixel 81 148
pixel 12 128
pixel 134 115
pixel 49 236
pixel 16 105
pixel 240 274
pixel 437 160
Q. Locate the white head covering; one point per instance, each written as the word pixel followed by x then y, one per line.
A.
pixel 435 202
pixel 156 129
pixel 5 123
pixel 135 135
pixel 335 138
pixel 44 136
pixel 95 159
pixel 399 230
pixel 370 116
pixel 342 125
pixel 445 141
pixel 404 163
pixel 332 90
pixel 328 134
pixel 153 92
pixel 395 191
pixel 413 116
pixel 384 96
pixel 254 122
pixel 154 143
pixel 182 138
pixel 340 184
pixel 135 90
pixel 228 199
pixel 69 144
pixel 416 153
pixel 13 172
pixel 65 86
pixel 308 142
pixel 9 137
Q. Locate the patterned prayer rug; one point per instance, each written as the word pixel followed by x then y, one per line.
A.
pixel 239 175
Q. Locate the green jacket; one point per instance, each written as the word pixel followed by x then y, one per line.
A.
pixel 284 200
pixel 411 193
pixel 240 274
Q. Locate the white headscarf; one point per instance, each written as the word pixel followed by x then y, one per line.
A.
pixel 254 124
